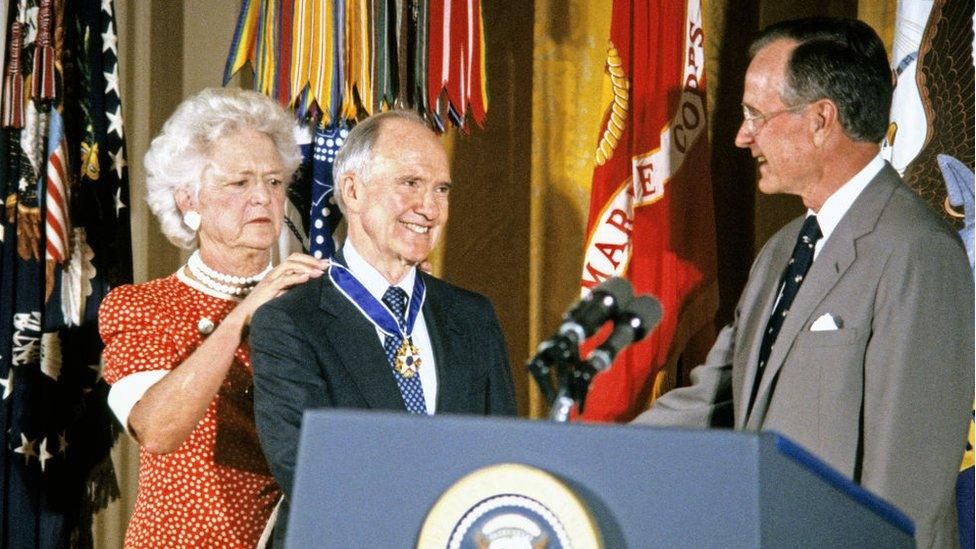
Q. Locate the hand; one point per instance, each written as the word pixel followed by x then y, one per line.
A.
pixel 294 270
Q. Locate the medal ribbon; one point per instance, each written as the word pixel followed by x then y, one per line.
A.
pixel 285 40
pixel 373 309
pixel 242 47
pixel 320 65
pixel 338 59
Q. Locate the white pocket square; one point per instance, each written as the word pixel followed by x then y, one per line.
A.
pixel 826 323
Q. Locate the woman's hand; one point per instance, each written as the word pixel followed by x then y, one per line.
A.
pixel 294 270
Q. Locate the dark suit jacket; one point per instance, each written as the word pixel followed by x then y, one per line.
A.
pixel 886 398
pixel 311 348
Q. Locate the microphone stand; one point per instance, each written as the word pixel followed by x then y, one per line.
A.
pixel 563 403
pixel 572 372
pixel 580 383
pixel 573 384
pixel 540 370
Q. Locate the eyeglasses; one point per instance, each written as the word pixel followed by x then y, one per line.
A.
pixel 756 120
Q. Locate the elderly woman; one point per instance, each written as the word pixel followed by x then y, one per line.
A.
pixel 176 348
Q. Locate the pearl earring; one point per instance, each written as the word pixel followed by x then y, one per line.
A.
pixel 192 220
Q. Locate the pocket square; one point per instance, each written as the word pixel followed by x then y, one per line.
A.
pixel 826 323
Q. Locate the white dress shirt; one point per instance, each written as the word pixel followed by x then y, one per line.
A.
pixel 376 284
pixel 837 204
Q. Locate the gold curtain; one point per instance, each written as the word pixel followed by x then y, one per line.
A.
pixel 880 14
pixel 569 97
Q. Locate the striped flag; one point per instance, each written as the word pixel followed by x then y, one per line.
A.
pixel 57 226
pixel 455 68
pixel 243 45
pixel 335 61
pixel 358 60
pixel 651 217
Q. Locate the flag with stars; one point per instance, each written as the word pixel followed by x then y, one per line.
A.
pixel 311 214
pixel 325 215
pixel 64 241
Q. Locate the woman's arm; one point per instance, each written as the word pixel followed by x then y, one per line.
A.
pixel 171 409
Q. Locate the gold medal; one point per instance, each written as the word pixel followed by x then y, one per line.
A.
pixel 407 359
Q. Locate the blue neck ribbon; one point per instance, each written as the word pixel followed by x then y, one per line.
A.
pixel 373 309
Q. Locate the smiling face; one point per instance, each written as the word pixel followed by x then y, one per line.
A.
pixel 783 145
pixel 241 202
pixel 397 210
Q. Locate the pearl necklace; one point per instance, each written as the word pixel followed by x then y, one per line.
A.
pixel 220 282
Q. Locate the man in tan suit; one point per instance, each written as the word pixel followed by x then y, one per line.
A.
pixel 854 333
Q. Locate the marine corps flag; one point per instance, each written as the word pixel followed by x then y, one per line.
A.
pixel 651 217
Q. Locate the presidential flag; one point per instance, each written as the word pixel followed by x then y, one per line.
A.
pixel 651 217
pixel 64 240
pixel 932 109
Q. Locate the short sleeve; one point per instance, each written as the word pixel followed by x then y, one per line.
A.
pixel 131 321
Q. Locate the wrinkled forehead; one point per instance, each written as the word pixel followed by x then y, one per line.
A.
pixel 244 153
pixel 412 146
pixel 767 73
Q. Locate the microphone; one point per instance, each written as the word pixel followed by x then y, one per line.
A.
pixel 601 304
pixel 604 302
pixel 583 319
pixel 637 319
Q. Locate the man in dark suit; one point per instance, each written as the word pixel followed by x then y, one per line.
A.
pixel 854 333
pixel 377 332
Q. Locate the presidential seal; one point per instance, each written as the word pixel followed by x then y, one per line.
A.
pixel 509 506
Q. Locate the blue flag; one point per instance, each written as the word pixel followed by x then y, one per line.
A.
pixel 324 214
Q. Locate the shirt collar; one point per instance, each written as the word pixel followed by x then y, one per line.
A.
pixel 371 278
pixel 837 204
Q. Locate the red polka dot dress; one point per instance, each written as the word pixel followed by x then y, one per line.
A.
pixel 215 490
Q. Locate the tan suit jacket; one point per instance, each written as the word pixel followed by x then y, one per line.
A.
pixel 886 398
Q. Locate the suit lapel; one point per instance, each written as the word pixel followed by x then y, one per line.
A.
pixel 759 308
pixel 444 333
pixel 833 261
pixel 353 338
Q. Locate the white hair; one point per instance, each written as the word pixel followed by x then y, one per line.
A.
pixel 357 151
pixel 179 156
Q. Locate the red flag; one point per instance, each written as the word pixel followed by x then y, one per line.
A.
pixel 651 216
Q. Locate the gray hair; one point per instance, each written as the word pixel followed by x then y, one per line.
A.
pixel 179 157
pixel 842 60
pixel 357 151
